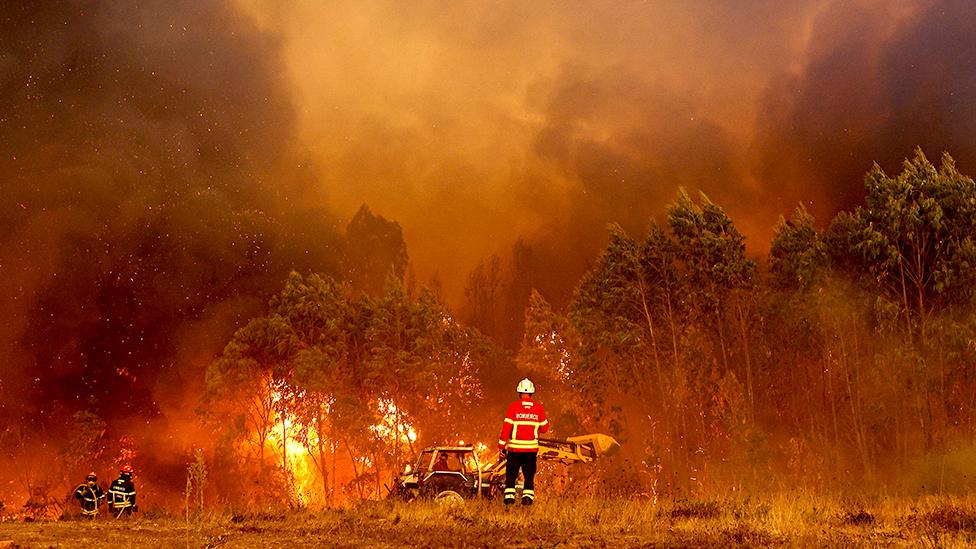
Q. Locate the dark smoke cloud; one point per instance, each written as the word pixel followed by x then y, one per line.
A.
pixel 151 200
pixel 865 82
pixel 624 145
pixel 649 141
pixel 874 84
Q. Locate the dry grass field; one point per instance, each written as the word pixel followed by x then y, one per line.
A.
pixel 787 520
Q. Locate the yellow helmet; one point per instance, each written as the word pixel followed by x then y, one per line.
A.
pixel 525 386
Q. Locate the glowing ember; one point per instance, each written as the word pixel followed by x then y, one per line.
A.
pixel 555 341
pixel 392 426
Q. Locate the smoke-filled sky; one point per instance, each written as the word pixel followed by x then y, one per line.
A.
pixel 475 123
pixel 164 164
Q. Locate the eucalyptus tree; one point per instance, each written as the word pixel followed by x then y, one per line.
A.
pixel 630 325
pixel 914 238
pixel 239 385
pixel 720 278
pixel 798 258
pixel 374 250
pixel 796 337
pixel 912 246
pixel 549 355
pixel 320 344
pixel 608 311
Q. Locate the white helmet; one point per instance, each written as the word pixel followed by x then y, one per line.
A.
pixel 526 386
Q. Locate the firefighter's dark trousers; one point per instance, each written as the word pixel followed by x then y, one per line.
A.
pixel 526 462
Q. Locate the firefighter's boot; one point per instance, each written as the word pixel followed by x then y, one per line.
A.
pixel 509 496
pixel 528 497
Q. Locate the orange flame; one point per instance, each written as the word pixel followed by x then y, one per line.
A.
pixel 298 462
pixel 391 426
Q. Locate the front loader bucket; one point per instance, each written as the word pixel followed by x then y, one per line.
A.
pixel 582 448
pixel 600 443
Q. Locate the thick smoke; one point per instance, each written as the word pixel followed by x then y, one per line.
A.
pixel 475 127
pixel 873 85
pixel 150 201
pixel 862 84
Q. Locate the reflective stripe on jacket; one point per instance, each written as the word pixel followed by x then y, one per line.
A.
pixel 89 497
pixel 122 494
pixel 524 421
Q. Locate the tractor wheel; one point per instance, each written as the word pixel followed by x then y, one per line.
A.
pixel 449 498
pixel 438 485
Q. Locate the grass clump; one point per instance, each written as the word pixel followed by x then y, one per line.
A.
pixel 746 535
pixel 686 509
pixel 860 518
pixel 947 517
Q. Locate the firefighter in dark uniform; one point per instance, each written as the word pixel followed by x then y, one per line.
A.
pixel 122 493
pixel 90 495
pixel 519 442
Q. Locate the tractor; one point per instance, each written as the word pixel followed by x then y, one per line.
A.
pixel 454 473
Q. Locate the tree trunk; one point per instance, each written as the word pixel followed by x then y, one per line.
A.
pixel 743 333
pixel 377 476
pixel 853 396
pixel 904 301
pixel 284 443
pixel 355 468
pixel 332 451
pixel 320 448
pixel 674 332
pixel 972 412
pixel 645 309
pixel 721 338
pixel 678 417
pixel 829 394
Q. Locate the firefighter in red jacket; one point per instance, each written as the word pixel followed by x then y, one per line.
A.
pixel 519 441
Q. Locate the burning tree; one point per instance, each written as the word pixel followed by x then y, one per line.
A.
pixel 348 385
